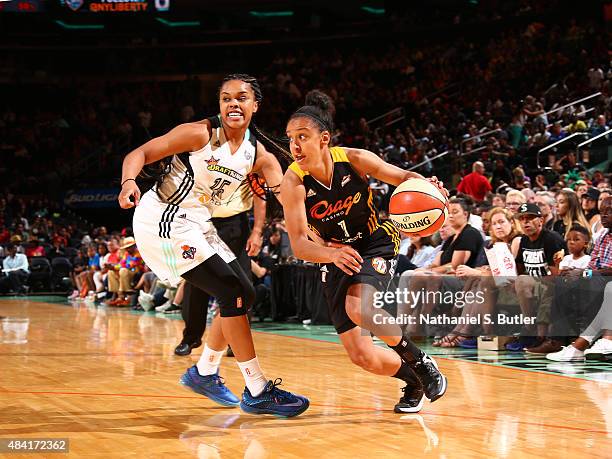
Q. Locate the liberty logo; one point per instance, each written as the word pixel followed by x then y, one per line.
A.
pixel 188 252
pixel 380 265
pixel 74 4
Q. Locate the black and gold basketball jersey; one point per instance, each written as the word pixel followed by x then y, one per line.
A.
pixel 344 212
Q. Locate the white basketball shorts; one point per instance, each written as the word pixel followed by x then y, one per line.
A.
pixel 173 240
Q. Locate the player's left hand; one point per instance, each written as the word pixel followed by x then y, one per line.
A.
pixel 439 184
pixel 254 243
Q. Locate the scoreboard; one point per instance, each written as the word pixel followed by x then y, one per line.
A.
pixel 23 6
pixel 115 6
pixel 84 6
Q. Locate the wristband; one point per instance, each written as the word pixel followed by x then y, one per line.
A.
pixel 588 273
pixel 127 180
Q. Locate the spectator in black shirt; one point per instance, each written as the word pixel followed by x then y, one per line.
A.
pixel 501 174
pixel 463 248
pixel 541 250
pixel 539 254
pixel 546 202
pixel 56 250
pixel 569 212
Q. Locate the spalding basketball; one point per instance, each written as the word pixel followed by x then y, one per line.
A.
pixel 418 207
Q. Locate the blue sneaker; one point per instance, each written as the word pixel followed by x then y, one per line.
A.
pixel 469 343
pixel 520 344
pixel 514 346
pixel 211 386
pixel 274 401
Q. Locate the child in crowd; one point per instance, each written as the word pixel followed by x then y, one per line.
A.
pixel 577 243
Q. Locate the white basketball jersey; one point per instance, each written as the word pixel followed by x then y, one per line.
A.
pixel 210 177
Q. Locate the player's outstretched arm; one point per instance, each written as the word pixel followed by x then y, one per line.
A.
pixel 270 168
pixel 293 195
pixel 183 138
pixel 367 163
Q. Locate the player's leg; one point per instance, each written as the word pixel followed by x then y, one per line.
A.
pixel 384 362
pixel 360 309
pixel 235 231
pixel 214 348
pixel 195 309
pixel 230 285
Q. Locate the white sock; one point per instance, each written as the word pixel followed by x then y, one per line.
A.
pixel 253 376
pixel 209 361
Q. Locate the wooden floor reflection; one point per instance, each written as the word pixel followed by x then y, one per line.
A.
pixel 108 381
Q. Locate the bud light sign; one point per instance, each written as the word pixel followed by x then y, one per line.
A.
pixel 92 197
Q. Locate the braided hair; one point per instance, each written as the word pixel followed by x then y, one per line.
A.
pixel 277 146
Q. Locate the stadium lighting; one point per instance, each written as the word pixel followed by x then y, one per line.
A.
pixel 371 10
pixel 270 14
pixel 79 26
pixel 178 23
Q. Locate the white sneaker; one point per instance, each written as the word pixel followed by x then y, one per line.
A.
pixel 145 300
pixel 567 354
pixel 163 307
pixel 565 368
pixel 599 350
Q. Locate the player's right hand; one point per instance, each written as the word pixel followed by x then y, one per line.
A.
pixel 128 190
pixel 347 259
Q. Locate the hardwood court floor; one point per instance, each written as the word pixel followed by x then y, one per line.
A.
pixel 107 380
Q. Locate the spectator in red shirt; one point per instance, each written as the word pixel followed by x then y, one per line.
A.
pixel 34 249
pixel 475 184
pixel 5 235
pixel 120 281
pixel 62 240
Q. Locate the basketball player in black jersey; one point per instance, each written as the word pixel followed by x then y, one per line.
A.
pixel 326 188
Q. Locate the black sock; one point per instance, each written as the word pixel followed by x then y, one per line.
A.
pixel 407 350
pixel 406 374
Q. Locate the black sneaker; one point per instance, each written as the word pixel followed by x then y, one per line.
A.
pixel 229 352
pixel 411 401
pixel 173 309
pixel 185 348
pixel 434 382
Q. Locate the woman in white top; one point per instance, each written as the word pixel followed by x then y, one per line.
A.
pixel 177 240
pixel 421 252
pixel 504 229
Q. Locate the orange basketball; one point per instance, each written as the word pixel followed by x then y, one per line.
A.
pixel 418 207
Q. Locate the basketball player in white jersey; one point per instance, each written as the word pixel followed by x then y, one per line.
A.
pixel 177 240
pixel 231 221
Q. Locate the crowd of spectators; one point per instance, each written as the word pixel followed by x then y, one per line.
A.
pixel 444 92
pixel 491 105
pixel 538 258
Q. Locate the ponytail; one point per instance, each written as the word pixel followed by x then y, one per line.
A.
pixel 320 108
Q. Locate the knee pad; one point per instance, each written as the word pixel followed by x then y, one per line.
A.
pixel 237 300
